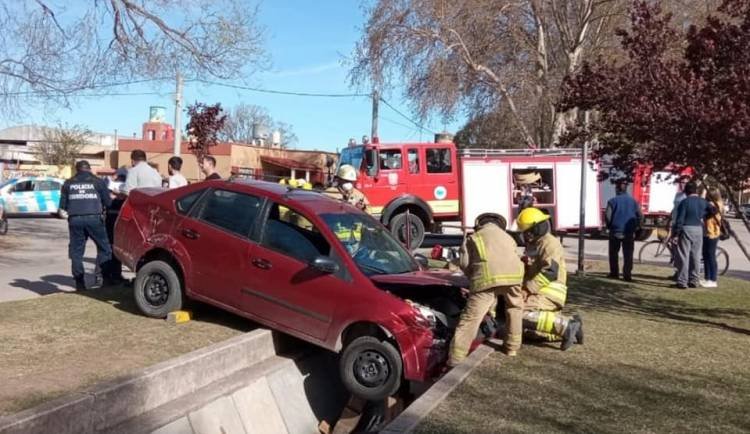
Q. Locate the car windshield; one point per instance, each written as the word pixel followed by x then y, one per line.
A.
pixel 372 247
pixel 352 155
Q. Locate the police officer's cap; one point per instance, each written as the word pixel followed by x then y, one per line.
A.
pixel 83 165
pixel 491 217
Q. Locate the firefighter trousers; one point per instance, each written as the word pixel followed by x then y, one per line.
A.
pixel 543 319
pixel 477 306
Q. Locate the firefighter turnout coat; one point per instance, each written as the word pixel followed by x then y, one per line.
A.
pixel 546 274
pixel 489 259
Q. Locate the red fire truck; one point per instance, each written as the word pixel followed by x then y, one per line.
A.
pixel 436 183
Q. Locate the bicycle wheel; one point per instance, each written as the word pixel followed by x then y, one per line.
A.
pixel 722 261
pixel 654 251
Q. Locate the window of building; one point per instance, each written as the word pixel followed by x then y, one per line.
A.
pixel 232 211
pixel 292 234
pixel 413 156
pixel 390 159
pixel 439 160
pixel 151 134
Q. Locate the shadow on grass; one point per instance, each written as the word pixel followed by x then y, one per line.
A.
pixel 599 293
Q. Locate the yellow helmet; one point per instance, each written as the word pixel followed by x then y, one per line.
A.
pixel 347 172
pixel 307 186
pixel 293 183
pixel 282 181
pixel 529 217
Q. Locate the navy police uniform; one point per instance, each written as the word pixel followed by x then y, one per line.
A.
pixel 85 198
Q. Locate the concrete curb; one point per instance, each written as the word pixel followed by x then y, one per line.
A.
pixel 111 403
pixel 407 421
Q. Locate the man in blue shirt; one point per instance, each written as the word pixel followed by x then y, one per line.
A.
pixel 688 229
pixel 623 217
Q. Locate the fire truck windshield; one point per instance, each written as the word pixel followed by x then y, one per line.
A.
pixel 352 155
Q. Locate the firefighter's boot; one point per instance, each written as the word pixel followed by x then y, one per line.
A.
pixel 569 335
pixel 579 335
pixel 544 325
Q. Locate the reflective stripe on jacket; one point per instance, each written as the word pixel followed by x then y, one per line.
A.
pixel 489 259
pixel 546 274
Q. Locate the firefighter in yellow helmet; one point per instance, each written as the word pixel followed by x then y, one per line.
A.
pixel 544 286
pixel 489 259
pixel 344 189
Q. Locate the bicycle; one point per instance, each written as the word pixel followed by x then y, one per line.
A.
pixel 661 249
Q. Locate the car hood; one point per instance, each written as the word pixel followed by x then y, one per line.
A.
pixel 426 278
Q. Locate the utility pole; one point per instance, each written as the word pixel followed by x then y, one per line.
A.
pixel 582 220
pixel 375 106
pixel 177 114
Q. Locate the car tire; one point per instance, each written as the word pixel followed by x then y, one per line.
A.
pixel 157 289
pixel 371 368
pixel 398 225
pixel 3 226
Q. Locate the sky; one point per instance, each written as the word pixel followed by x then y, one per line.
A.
pixel 308 44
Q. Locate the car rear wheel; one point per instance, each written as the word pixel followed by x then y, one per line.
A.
pixel 157 289
pixel 371 368
pixel 416 230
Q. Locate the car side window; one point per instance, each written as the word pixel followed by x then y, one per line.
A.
pixel 232 211
pixel 185 203
pixel 291 234
pixel 47 186
pixel 413 160
pixel 24 186
pixel 439 160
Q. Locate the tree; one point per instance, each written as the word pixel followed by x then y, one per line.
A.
pixel 489 130
pixel 51 52
pixel 241 119
pixel 484 55
pixel 205 123
pixel 667 109
pixel 62 145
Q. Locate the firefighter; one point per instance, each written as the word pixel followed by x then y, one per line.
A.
pixel 544 284
pixel 343 188
pixel 489 259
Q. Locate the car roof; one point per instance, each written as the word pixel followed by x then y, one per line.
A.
pixel 310 199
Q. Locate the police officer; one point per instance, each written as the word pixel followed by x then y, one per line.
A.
pixel 544 286
pixel 84 198
pixel 343 188
pixel 489 259
pixel 112 269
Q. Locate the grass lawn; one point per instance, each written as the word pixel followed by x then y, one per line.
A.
pixel 61 343
pixel 655 360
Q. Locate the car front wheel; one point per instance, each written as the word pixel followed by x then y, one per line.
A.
pixel 371 368
pixel 157 289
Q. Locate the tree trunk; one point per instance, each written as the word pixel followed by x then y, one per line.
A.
pixel 733 200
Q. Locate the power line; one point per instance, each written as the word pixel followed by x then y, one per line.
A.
pixel 420 126
pixel 283 92
pixel 63 92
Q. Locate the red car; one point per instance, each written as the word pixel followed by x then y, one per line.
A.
pixel 300 263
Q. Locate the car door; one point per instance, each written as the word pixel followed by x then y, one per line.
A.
pixel 284 289
pixel 216 236
pixel 47 195
pixel 22 197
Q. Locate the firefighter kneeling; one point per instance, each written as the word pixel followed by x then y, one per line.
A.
pixel 544 286
pixel 489 260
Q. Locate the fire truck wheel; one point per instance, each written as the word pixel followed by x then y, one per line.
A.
pixel 398 229
pixel 643 234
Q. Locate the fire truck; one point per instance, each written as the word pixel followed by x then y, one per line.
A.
pixel 433 184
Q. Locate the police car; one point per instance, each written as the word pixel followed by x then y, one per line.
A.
pixel 31 195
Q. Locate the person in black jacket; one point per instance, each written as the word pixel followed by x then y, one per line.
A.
pixel 84 198
pixel 112 269
pixel 623 217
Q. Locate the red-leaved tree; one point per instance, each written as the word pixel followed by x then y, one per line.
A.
pixel 205 123
pixel 672 107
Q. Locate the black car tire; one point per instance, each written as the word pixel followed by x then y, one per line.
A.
pixel 398 226
pixel 3 226
pixel 157 289
pixel 371 368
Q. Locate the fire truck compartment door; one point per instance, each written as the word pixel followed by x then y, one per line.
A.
pixel 485 189
pixel 662 190
pixel 568 180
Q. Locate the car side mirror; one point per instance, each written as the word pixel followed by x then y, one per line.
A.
pixel 422 260
pixel 325 265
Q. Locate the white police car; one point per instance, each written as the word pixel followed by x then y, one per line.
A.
pixel 31 195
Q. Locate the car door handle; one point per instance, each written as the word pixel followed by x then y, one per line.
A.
pixel 189 233
pixel 262 264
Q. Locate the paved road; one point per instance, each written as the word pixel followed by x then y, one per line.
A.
pixel 34 259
